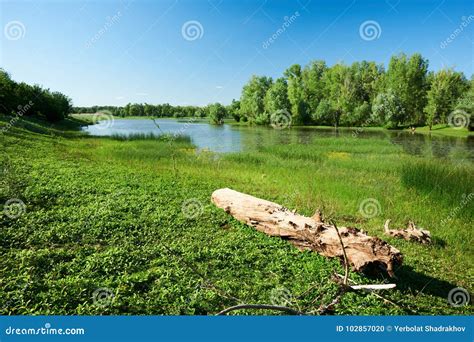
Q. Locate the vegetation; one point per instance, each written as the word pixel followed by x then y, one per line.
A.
pixel 362 94
pixel 103 214
pixel 21 99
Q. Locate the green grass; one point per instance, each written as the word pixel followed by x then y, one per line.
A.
pixel 445 130
pixel 108 213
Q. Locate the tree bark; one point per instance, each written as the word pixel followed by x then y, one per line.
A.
pixel 364 253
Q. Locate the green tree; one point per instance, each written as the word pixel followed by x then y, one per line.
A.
pixel 234 109
pixel 340 90
pixel 299 113
pixel 388 110
pixel 324 114
pixel 407 79
pixel 313 84
pixel 446 88
pixel 217 113
pixel 252 105
pixel 465 104
pixel 276 98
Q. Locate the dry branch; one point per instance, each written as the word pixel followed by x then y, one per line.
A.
pixel 364 253
pixel 261 307
pixel 411 233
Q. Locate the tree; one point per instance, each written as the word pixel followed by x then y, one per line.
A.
pixel 252 106
pixel 388 110
pixel 276 98
pixel 324 114
pixel 446 88
pixel 136 110
pixel 217 113
pixel 465 105
pixel 407 79
pixel 339 87
pixel 299 114
pixel 368 80
pixel 234 109
pixel 8 99
pixel 313 84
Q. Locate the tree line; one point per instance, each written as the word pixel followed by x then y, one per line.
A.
pixel 361 94
pixel 216 112
pixel 21 99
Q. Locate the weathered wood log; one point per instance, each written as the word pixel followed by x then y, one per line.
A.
pixel 364 253
pixel 411 233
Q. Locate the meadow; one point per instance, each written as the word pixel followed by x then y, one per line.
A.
pixel 131 220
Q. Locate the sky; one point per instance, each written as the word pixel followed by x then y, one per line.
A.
pixel 194 52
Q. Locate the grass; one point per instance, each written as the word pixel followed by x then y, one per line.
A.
pixel 108 213
pixel 445 130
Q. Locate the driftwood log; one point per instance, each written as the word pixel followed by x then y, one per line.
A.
pixel 411 233
pixel 364 253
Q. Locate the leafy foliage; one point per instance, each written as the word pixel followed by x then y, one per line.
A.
pixel 21 99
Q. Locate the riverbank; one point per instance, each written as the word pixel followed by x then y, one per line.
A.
pixel 439 130
pixel 135 218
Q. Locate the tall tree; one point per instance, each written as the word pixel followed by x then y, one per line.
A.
pixel 276 98
pixel 299 113
pixel 252 106
pixel 407 78
pixel 465 104
pixel 217 113
pixel 446 88
pixel 234 109
pixel 340 90
pixel 313 84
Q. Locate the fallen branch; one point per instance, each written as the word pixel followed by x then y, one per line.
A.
pixel 363 252
pixel 260 306
pixel 411 233
pixel 346 261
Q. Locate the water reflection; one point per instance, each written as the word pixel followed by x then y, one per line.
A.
pixel 229 138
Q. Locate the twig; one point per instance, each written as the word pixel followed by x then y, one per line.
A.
pixel 346 262
pixel 260 306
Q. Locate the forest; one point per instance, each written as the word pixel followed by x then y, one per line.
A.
pixel 361 94
pixel 22 99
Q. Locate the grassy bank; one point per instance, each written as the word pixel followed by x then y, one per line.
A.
pixel 440 130
pixel 133 218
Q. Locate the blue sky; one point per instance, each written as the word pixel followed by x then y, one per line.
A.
pixel 115 52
